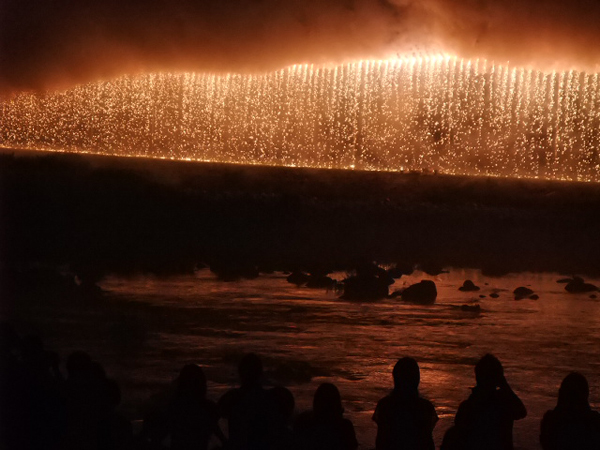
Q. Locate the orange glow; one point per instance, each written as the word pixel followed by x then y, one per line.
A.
pixel 439 112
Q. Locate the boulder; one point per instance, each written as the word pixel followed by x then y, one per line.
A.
pixel 494 295
pixel 365 288
pixel 577 285
pixel 320 282
pixel 298 278
pixel 371 282
pixel 468 286
pixel 423 293
pixel 522 292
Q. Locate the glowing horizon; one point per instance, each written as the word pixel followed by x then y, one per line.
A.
pixel 432 112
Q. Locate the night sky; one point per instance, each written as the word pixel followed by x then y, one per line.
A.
pixel 54 44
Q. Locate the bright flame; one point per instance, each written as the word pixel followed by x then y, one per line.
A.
pixel 434 112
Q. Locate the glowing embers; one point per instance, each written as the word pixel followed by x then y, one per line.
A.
pixel 438 113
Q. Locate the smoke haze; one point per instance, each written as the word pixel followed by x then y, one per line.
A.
pixel 56 43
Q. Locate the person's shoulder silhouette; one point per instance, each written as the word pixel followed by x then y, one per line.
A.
pixel 90 401
pixel 115 432
pixel 485 420
pixel 248 409
pixel 325 428
pixel 30 393
pixel 405 419
pixel 572 424
pixel 282 436
pixel 193 418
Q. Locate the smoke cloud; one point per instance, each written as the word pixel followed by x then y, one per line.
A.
pixel 56 43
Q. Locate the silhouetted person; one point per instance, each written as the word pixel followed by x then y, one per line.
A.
pixel 88 404
pixel 572 424
pixel 282 435
pixel 193 418
pixel 115 430
pixel 156 425
pixel 325 428
pixel 404 419
pixel 485 420
pixel 41 395
pixel 31 407
pixel 248 409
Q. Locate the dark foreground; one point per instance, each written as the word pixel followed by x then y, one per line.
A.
pixel 97 215
pixel 47 410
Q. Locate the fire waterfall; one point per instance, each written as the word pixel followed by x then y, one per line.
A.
pixel 440 113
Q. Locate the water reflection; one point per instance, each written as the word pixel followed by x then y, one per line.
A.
pixel 310 334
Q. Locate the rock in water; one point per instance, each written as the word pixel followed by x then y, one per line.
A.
pixel 577 285
pixel 320 282
pixel 298 278
pixel 423 293
pixel 371 282
pixel 468 286
pixel 522 292
pixel 363 288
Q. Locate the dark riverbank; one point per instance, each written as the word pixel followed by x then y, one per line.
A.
pixel 96 215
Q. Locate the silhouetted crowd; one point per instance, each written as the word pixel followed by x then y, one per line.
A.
pixel 41 409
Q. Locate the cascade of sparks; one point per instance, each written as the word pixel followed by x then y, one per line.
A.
pixel 451 115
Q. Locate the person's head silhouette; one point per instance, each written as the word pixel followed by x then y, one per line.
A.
pixel 407 376
pixel 327 403
pixel 489 372
pixel 574 392
pixel 192 381
pixel 250 370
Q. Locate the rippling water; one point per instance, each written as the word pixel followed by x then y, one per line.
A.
pixel 308 336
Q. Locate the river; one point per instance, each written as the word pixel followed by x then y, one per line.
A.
pixel 309 336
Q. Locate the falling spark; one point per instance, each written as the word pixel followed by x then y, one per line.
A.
pixel 441 113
